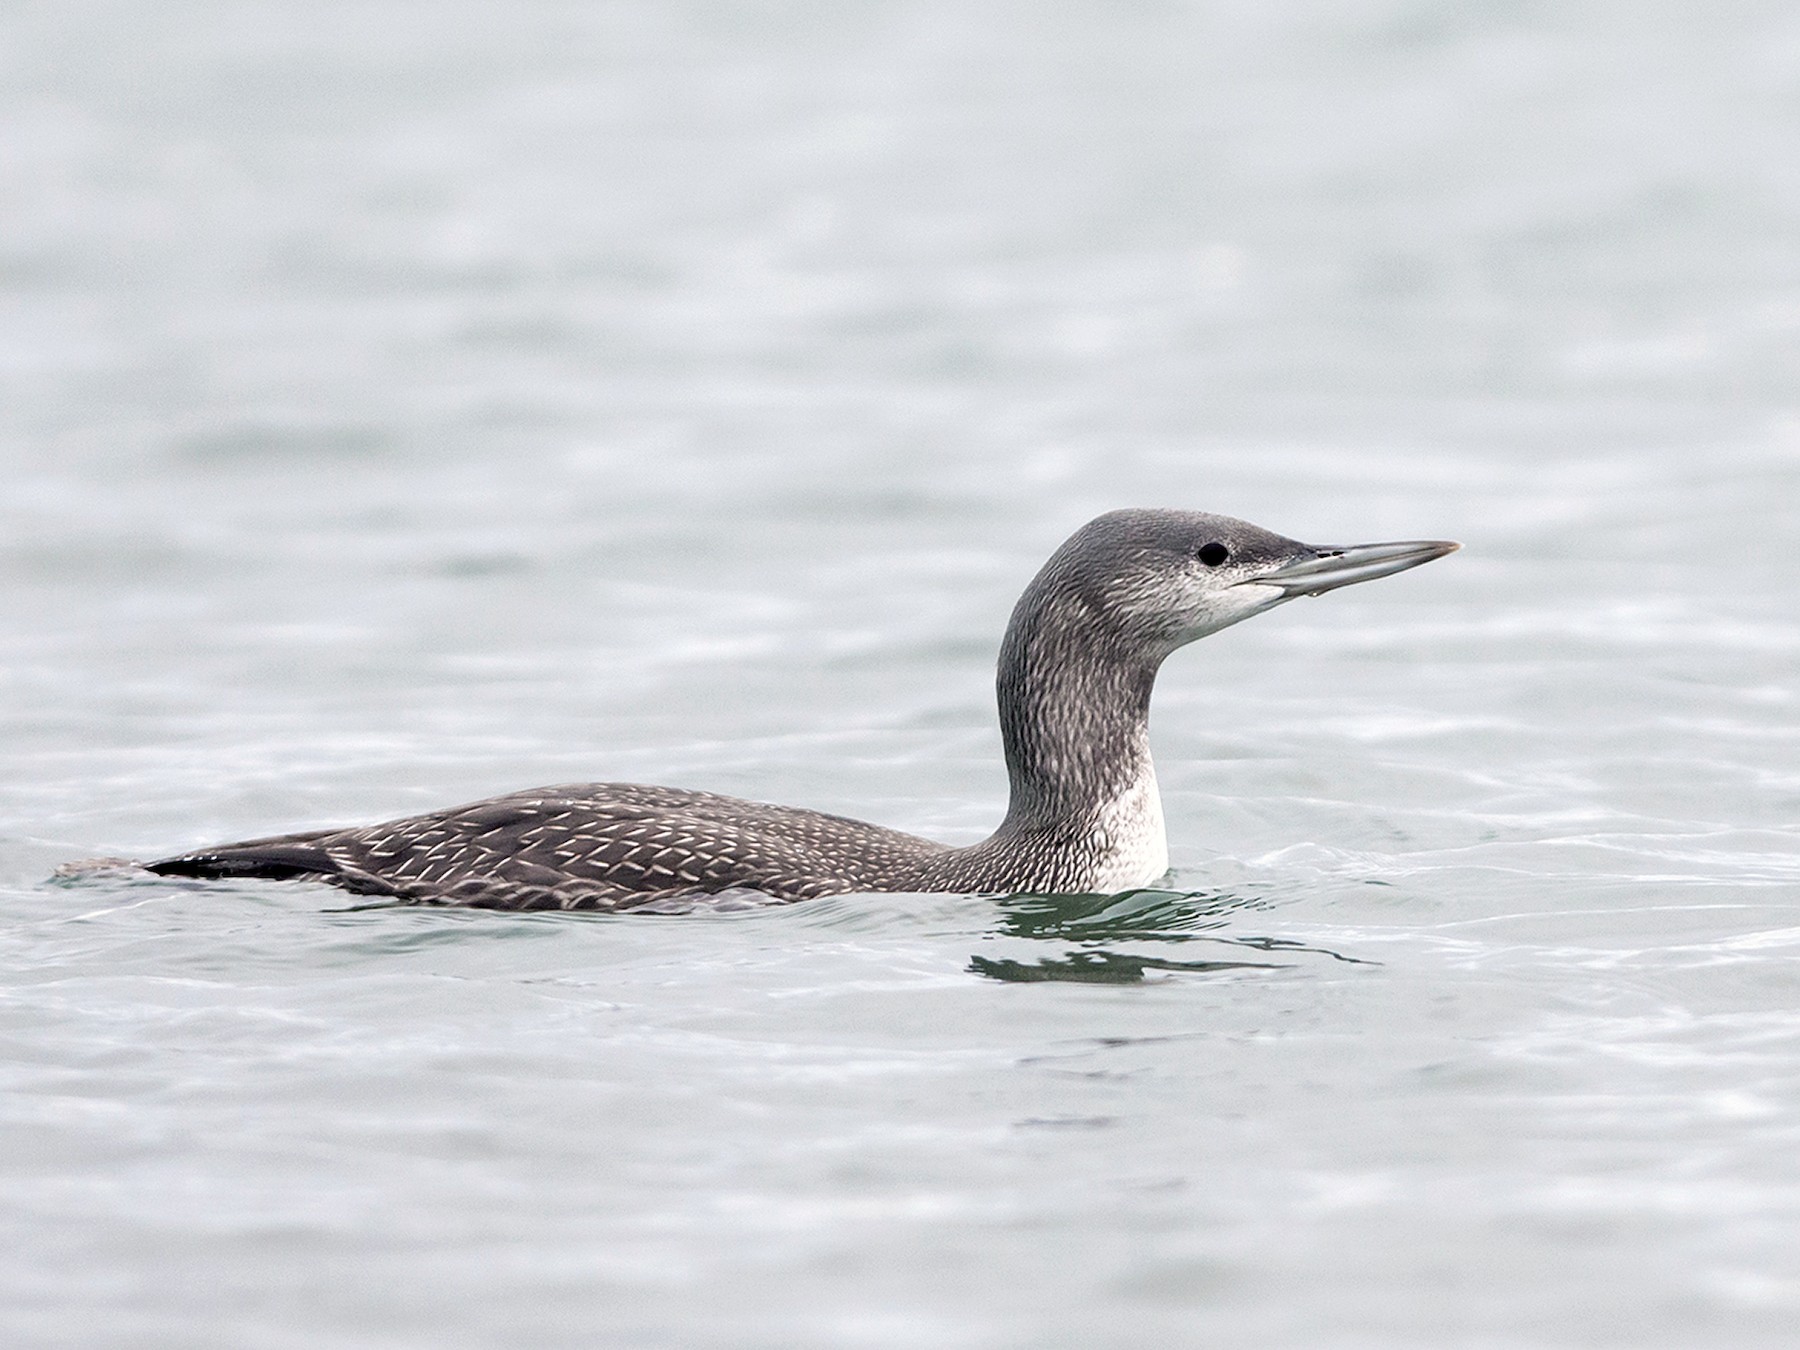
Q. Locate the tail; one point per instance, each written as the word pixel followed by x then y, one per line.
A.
pixel 273 862
pixel 278 857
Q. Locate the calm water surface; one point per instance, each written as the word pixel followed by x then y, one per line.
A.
pixel 404 403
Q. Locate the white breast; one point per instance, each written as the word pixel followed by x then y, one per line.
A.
pixel 1131 845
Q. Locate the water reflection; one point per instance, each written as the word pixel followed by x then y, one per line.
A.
pixel 1094 928
pixel 1159 915
pixel 1099 967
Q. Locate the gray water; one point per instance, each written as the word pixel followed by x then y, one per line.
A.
pixel 402 403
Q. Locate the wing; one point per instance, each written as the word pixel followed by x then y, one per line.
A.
pixel 585 846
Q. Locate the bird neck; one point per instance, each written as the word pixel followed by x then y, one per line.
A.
pixel 1075 722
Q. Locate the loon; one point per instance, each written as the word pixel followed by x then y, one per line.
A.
pixel 1077 664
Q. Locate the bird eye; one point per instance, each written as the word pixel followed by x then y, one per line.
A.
pixel 1213 554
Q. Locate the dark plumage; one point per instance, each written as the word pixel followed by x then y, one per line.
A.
pixel 1076 670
